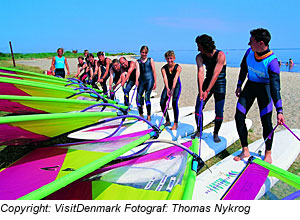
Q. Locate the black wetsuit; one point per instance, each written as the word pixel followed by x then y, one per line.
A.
pixel 102 65
pixel 146 83
pixel 130 83
pixel 263 84
pixel 176 94
pixel 94 79
pixel 218 90
pixel 85 74
pixel 116 77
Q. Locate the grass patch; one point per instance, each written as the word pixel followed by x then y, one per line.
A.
pixel 68 54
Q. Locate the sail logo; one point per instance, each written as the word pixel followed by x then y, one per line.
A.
pixel 221 183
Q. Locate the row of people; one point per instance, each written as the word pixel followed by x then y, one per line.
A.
pixel 259 64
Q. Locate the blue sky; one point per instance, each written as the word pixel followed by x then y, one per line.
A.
pixel 43 26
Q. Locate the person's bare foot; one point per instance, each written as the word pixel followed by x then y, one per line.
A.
pixel 175 126
pixel 245 153
pixel 216 138
pixel 268 157
pixel 149 118
pixel 168 123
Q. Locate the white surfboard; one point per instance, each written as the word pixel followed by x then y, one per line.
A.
pixel 99 132
pixel 212 186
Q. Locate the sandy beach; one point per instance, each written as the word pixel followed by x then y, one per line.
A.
pixel 289 91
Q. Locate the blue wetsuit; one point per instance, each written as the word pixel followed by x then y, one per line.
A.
pixel 146 83
pixel 60 66
pixel 176 94
pixel 263 84
pixel 218 90
pixel 130 83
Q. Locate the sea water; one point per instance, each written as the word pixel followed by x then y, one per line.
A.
pixel 233 57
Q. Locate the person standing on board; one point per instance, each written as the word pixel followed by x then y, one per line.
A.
pixel 263 84
pixel 145 71
pixel 58 64
pixel 214 82
pixel 170 73
pixel 92 70
pixel 130 79
pixel 116 74
pixel 81 69
pixel 103 66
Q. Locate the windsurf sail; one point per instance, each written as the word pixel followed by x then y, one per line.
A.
pixel 23 129
pixel 29 73
pixel 62 175
pixel 166 174
pixel 247 185
pixel 39 105
pixel 10 86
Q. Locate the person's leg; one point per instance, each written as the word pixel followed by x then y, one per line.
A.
pixel 265 104
pixel 175 100
pixel 149 87
pixel 163 103
pixel 219 110
pixel 244 103
pixel 140 98
pixel 126 91
pixel 103 84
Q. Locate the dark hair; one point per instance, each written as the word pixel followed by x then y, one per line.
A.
pixel 80 57
pixel 123 58
pixel 261 34
pixel 100 53
pixel 115 61
pixel 91 55
pixel 206 43
pixel 144 48
pixel 60 49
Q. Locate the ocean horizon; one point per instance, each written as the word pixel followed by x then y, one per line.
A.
pixel 233 57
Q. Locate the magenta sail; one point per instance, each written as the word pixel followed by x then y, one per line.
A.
pixel 248 184
pixel 38 169
pixel 18 108
pixel 11 135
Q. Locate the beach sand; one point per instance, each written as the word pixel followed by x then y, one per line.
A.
pixel 289 91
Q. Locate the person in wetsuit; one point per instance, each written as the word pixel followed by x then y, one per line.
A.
pixel 130 79
pixel 103 65
pixel 81 69
pixel 170 73
pixel 214 82
pixel 263 84
pixel 58 64
pixel 92 70
pixel 116 72
pixel 145 71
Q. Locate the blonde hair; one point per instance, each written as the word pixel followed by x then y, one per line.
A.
pixel 169 53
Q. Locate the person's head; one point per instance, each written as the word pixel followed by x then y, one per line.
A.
pixel 116 64
pixel 144 52
pixel 60 51
pixel 123 62
pixel 101 56
pixel 205 43
pixel 86 53
pixel 80 59
pixel 91 57
pixel 259 40
pixel 170 57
